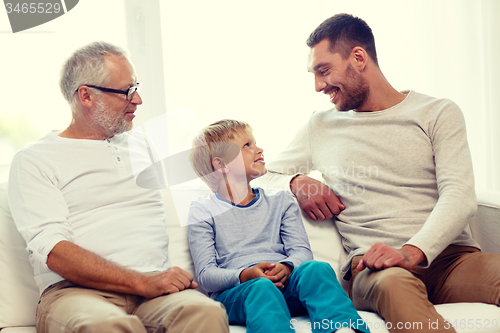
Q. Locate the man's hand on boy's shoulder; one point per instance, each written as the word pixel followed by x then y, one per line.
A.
pixel 315 198
pixel 278 273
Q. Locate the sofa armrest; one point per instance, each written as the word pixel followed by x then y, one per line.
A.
pixel 485 225
pixel 18 291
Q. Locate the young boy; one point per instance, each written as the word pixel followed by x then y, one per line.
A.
pixel 249 246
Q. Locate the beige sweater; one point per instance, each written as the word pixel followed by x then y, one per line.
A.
pixel 404 173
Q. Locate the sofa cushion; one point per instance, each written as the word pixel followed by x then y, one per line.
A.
pixel 28 329
pixel 177 200
pixel 19 293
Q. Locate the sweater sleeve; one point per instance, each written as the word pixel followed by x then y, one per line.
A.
pixel 201 236
pixel 455 182
pixel 293 234
pixel 294 160
pixel 38 206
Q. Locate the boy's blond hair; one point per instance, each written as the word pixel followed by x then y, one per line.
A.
pixel 214 141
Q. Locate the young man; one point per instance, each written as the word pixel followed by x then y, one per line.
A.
pixel 249 246
pixel 98 241
pixel 401 166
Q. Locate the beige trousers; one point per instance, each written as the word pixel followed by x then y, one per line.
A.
pixel 405 299
pixel 66 307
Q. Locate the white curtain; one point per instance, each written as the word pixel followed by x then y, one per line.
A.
pixel 491 71
pixel 31 60
pixel 247 60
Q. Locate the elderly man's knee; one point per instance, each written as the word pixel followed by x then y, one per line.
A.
pixel 121 324
pixel 213 310
pixel 211 315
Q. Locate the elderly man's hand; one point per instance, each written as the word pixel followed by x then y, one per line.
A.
pixel 170 281
pixel 316 199
pixel 381 256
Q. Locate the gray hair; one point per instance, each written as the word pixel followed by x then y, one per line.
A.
pixel 87 66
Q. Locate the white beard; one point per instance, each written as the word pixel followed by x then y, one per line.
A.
pixel 101 119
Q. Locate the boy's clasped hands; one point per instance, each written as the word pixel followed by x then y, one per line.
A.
pixel 278 273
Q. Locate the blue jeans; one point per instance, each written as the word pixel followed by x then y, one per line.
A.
pixel 312 289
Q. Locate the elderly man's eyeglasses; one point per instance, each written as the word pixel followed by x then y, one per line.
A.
pixel 130 92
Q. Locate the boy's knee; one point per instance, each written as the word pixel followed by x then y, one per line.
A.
pixel 261 286
pixel 316 268
pixel 261 283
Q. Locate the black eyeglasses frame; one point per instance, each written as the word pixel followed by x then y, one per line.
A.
pixel 130 92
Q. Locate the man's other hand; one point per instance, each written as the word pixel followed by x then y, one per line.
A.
pixel 381 256
pixel 316 199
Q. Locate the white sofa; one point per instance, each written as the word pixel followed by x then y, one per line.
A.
pixel 19 294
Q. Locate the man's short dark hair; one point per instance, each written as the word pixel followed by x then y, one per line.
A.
pixel 345 32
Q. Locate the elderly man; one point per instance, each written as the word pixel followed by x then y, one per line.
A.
pixel 400 164
pixel 96 240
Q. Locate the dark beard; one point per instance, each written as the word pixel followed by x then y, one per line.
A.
pixel 355 91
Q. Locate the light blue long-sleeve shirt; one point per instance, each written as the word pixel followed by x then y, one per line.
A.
pixel 225 238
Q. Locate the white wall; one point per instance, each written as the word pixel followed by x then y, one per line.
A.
pixel 247 60
pixel 31 61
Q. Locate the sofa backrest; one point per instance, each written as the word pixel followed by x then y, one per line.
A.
pixel 485 225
